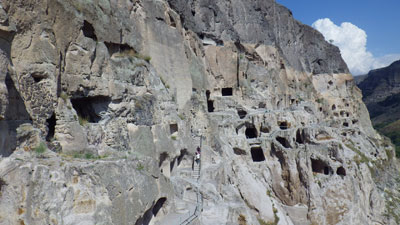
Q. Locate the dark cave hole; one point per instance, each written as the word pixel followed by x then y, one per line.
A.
pixel 283 125
pixel 113 48
pixel 227 91
pixel 15 115
pixel 173 128
pixel 242 113
pixel 183 153
pixel 300 136
pixel 251 131
pixel 51 125
pixel 319 166
pixel 264 129
pixel 88 30
pixel 210 103
pixel 257 154
pixel 345 124
pixel 239 151
pixel 163 157
pixel 333 107
pixel 37 77
pixel 341 171
pixel 90 108
pixel 283 141
pixel 159 204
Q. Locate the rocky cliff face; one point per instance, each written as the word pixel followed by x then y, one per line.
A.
pixel 381 94
pixel 104 102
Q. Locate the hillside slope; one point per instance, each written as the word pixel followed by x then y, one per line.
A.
pixel 381 94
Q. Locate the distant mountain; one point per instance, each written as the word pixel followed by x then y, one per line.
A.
pixel 381 94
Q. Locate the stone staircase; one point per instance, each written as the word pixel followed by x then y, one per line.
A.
pixel 196 171
pixel 199 198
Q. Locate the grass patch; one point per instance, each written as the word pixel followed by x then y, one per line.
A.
pixel 242 220
pixel 139 167
pixel 82 120
pixel 181 116
pixel 276 218
pixel 41 148
pixel 64 96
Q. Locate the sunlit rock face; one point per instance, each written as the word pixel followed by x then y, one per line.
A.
pixel 103 104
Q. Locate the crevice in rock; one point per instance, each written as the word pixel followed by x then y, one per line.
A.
pixel 227 91
pixel 51 127
pixel 171 165
pixel 257 154
pixel 159 204
pixel 283 141
pixel 91 108
pixel 319 166
pixel 88 30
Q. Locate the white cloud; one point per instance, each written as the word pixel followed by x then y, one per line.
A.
pixel 352 42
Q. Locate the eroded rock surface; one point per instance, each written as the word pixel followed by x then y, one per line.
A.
pixel 103 104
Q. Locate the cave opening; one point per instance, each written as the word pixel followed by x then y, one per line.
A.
pixel 319 166
pixel 242 113
pixel 346 124
pixel 15 115
pixel 257 154
pixel 163 157
pixel 173 128
pixel 251 131
pixel 283 125
pixel 283 141
pixel 88 30
pixel 51 127
pixel 264 129
pixel 91 108
pixel 341 171
pixel 210 103
pixel 227 91
pixel 183 153
pixel 300 136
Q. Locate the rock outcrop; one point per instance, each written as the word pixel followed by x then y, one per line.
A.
pixel 381 94
pixel 103 104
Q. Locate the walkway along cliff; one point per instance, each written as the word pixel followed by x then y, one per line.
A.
pixel 103 103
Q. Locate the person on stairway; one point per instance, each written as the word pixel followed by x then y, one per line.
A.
pixel 198 155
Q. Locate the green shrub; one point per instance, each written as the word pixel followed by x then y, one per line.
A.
pixel 41 148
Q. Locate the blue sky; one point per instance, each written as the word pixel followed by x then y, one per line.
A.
pixel 379 19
